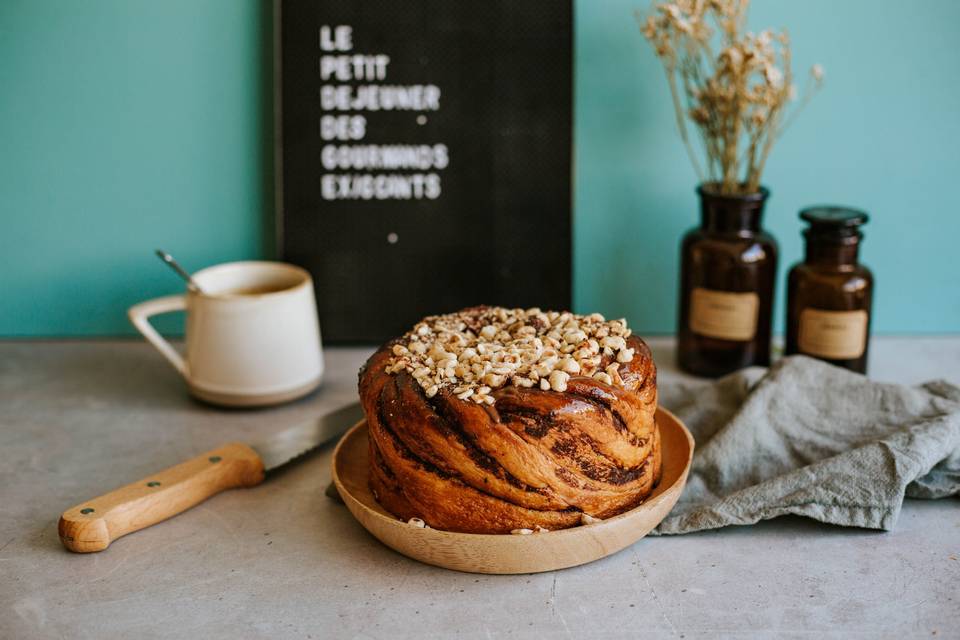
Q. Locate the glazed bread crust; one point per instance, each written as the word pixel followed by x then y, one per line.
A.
pixel 534 458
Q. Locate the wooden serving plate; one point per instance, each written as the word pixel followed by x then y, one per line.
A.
pixel 482 553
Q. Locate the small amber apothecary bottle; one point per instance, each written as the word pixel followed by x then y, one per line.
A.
pixel 829 294
pixel 728 269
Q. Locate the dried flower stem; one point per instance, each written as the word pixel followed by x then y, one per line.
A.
pixel 737 98
pixel 682 124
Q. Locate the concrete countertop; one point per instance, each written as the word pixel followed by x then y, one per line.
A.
pixel 281 560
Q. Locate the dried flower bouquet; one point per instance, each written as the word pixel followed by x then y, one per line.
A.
pixel 737 98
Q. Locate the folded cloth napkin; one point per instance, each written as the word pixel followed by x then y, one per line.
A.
pixel 811 439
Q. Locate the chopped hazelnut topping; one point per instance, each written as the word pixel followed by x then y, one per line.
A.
pixel 477 351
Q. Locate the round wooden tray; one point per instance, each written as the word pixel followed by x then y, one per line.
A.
pixel 479 553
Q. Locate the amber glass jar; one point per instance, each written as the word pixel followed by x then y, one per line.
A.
pixel 829 294
pixel 727 274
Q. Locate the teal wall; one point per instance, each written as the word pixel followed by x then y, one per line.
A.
pixel 126 125
pixel 883 135
pixel 131 124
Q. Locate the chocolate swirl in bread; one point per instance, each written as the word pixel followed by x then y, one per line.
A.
pixel 539 450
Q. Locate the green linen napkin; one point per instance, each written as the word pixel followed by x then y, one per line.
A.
pixel 811 439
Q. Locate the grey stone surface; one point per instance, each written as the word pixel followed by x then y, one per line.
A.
pixel 280 560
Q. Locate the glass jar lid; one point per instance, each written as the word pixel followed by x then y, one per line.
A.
pixel 834 217
pixel 833 224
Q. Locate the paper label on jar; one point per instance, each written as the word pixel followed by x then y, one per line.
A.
pixel 724 315
pixel 835 335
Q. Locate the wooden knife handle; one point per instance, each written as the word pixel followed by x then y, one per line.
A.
pixel 94 524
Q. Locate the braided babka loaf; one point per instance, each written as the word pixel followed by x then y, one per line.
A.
pixel 494 420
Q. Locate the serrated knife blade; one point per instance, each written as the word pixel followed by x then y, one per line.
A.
pixel 94 524
pixel 294 442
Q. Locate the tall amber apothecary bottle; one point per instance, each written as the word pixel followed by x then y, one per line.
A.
pixel 727 275
pixel 829 294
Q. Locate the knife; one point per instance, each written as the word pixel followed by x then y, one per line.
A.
pixel 94 524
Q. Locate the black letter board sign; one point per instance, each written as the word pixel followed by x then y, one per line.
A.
pixel 425 156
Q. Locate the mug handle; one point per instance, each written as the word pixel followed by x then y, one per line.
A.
pixel 140 314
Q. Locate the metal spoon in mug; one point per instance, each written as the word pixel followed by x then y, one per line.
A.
pixel 173 264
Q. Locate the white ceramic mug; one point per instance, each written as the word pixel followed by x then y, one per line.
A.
pixel 252 336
